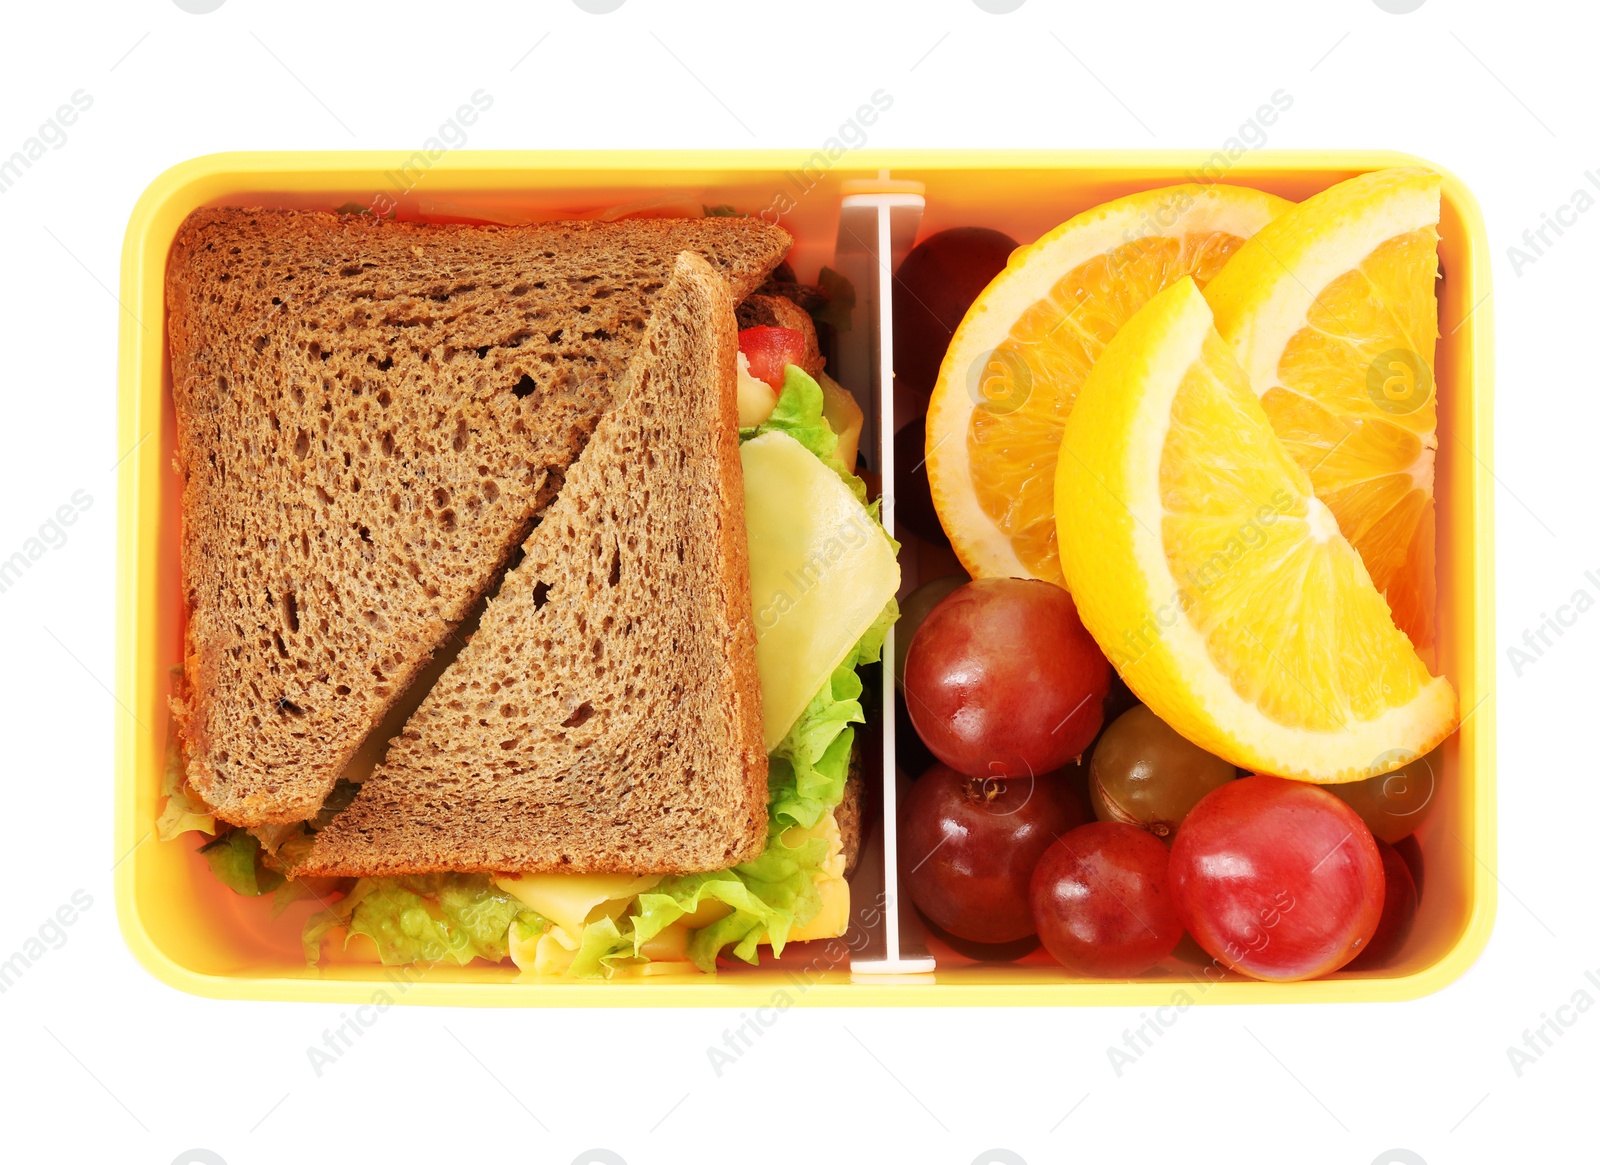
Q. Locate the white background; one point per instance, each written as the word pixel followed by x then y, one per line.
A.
pixel 103 1063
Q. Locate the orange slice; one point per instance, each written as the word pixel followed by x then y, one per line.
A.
pixel 1212 576
pixel 1331 311
pixel 1016 363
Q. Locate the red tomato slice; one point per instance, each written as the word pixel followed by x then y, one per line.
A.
pixel 770 350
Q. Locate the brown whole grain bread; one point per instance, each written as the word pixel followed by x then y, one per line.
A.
pixel 605 717
pixel 370 415
pixel 847 814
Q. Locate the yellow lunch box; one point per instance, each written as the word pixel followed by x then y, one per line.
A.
pixel 858 211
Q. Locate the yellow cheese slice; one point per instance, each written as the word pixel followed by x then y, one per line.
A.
pixel 834 917
pixel 830 922
pixel 570 900
pixel 543 957
pixel 844 417
pixel 821 570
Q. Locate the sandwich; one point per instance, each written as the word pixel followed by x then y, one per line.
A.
pixel 591 611
pixel 370 418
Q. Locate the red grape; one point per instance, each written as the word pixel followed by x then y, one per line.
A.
pixel 913 495
pixel 968 847
pixel 914 610
pixel 911 754
pixel 1277 879
pixel 934 286
pixel 1002 679
pixel 1410 851
pixel 1399 912
pixel 1101 901
pixel 982 952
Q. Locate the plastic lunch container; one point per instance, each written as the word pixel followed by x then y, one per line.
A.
pixel 859 214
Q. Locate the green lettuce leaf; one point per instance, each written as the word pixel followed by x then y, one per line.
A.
pixel 603 948
pixel 235 860
pixel 767 898
pixel 798 414
pixel 183 811
pixel 429 918
pixel 806 773
pixel 293 890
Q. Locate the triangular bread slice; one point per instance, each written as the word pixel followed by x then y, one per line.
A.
pixel 605 717
pixel 370 415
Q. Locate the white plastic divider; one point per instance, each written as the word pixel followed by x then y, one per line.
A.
pixel 877 227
